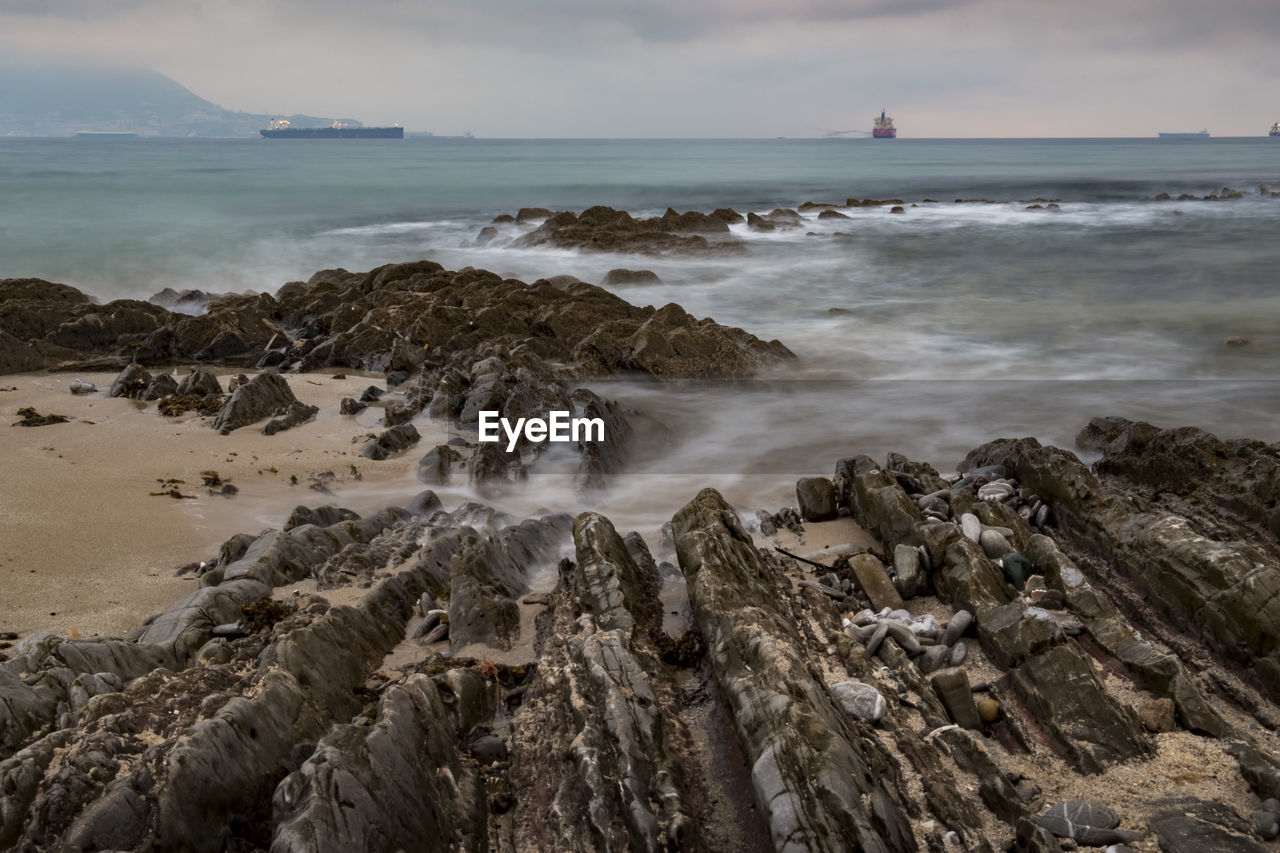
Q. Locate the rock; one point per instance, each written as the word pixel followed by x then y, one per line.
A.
pixel 860 700
pixel 350 406
pixel 1087 823
pixel 436 467
pixel 79 386
pixel 956 628
pixel 625 276
pixel 295 414
pixel 264 395
pixel 1030 837
pixel 816 498
pixel 1157 715
pixel 910 579
pixel 1266 824
pixel 1062 690
pixel 1202 828
pixel 603 229
pixel 988 709
pixel 971 527
pixel 1017 569
pixel 424 503
pixel 131 382
pixel 795 750
pixel 391 441
pixel 934 658
pixel 994 544
pixel 199 383
pixel 874 582
pixel 959 652
pixel 952 687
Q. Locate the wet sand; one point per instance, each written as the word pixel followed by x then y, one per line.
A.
pixel 85 546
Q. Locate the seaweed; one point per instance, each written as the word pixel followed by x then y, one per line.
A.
pixel 32 418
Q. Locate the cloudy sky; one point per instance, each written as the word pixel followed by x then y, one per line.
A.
pixel 700 68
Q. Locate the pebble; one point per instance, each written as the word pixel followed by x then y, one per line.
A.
pixel 971 527
pixel 860 700
pixel 995 491
pixel 934 659
pixel 988 708
pixel 1042 515
pixel 1266 825
pixel 959 652
pixel 994 544
pixel 959 623
pixel 882 631
pixel 79 386
pixel 1017 568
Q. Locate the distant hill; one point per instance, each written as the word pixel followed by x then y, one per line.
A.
pixel 61 100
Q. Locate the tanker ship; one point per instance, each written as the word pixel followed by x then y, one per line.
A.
pixel 282 129
pixel 883 128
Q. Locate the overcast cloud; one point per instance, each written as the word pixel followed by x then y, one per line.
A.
pixel 529 68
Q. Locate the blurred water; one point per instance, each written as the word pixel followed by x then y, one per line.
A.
pixel 925 332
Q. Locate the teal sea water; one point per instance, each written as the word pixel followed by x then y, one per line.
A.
pixel 956 323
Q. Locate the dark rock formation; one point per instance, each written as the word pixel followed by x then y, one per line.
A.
pixel 603 229
pixel 391 441
pixel 625 276
pixel 265 395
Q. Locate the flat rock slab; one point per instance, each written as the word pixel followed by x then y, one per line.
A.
pixel 952 686
pixel 875 582
pixel 1178 832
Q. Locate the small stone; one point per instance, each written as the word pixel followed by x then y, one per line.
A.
pixel 1157 715
pixel 79 386
pixel 1066 820
pixel 1017 568
pixel 934 659
pixel 906 565
pixel 1266 825
pixel 860 700
pixel 875 582
pixel 952 686
pixel 988 708
pixel 994 544
pixel 959 652
pixel 956 628
pixel 971 527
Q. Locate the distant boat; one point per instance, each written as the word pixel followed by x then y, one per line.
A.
pixel 105 134
pixel 883 128
pixel 1199 134
pixel 1275 129
pixel 282 129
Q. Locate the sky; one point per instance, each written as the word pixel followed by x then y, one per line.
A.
pixel 698 68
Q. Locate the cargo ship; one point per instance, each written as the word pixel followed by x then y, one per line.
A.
pixel 282 129
pixel 1199 134
pixel 1275 129
pixel 883 128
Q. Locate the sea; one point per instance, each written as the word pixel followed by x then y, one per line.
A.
pixel 926 332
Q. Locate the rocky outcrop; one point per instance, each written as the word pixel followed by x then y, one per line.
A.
pixel 603 229
pixel 265 395
pixel 814 782
pixel 1190 568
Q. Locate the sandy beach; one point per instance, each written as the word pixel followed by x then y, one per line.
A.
pixel 87 547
